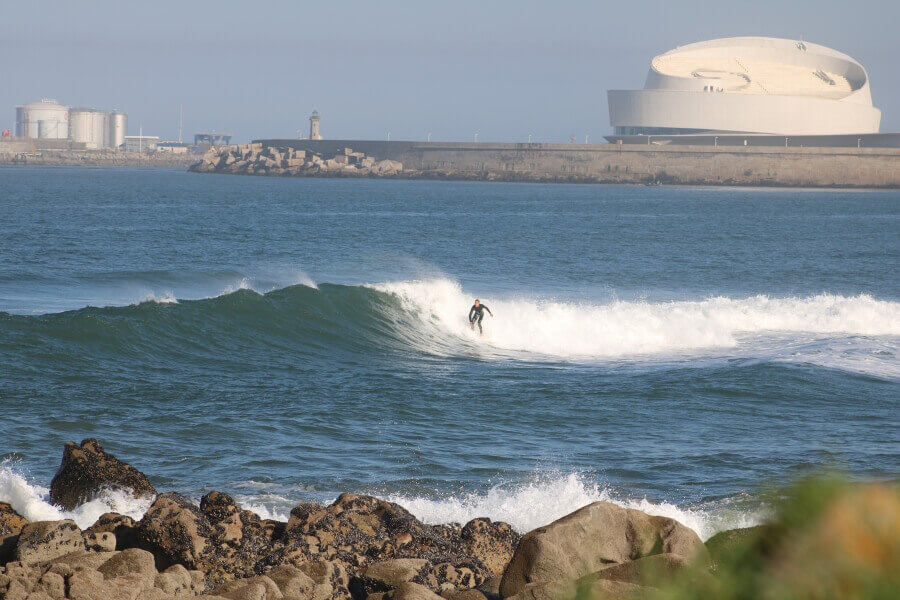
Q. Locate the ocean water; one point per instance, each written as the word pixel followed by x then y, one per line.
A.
pixel 674 349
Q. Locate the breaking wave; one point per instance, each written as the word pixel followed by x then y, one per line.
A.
pixel 857 333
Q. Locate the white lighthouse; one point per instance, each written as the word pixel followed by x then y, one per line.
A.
pixel 314 126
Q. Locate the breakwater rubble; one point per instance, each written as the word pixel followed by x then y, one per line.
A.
pixel 365 548
pixel 258 159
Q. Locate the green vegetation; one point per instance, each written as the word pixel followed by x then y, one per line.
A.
pixel 830 539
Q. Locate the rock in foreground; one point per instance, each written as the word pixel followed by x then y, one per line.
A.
pixel 87 469
pixel 590 539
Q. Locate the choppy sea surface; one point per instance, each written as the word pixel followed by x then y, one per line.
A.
pixel 673 349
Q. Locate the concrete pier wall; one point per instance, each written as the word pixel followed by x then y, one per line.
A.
pixel 614 163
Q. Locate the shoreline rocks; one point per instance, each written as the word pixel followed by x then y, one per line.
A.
pixel 364 548
pixel 358 547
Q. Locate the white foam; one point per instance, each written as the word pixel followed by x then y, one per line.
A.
pixel 32 501
pixel 166 297
pixel 276 508
pixel 525 506
pixel 528 506
pixel 244 284
pixel 622 329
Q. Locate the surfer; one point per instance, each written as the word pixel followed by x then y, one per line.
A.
pixel 476 314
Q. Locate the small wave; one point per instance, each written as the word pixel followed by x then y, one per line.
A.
pixel 32 501
pixel 531 505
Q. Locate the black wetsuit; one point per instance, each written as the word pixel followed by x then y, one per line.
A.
pixel 476 314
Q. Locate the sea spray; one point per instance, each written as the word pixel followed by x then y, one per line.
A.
pixel 527 506
pixel 32 501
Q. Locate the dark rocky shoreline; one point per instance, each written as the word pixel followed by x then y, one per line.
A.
pixel 357 548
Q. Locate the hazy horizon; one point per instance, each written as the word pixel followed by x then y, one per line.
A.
pixel 504 70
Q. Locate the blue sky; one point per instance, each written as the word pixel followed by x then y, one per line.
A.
pixel 502 69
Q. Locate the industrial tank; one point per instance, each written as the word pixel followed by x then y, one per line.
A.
pixel 117 130
pixel 54 116
pixel 89 126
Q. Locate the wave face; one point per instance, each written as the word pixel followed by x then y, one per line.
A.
pixel 430 317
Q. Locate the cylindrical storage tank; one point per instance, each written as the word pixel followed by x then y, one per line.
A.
pixel 21 122
pixel 117 130
pixel 88 126
pixel 48 129
pixel 55 115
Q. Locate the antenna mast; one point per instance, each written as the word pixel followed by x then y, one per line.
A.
pixel 180 120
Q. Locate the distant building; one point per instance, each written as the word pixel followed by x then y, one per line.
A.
pixel 173 147
pixel 212 139
pixel 748 85
pixel 93 129
pixel 314 126
pixel 141 143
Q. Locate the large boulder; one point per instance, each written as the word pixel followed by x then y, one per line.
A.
pixel 87 469
pixel 121 526
pixel 175 531
pixel 42 541
pixel 133 561
pixel 81 560
pixel 100 542
pixel 239 538
pixel 93 585
pixel 493 543
pixel 330 579
pixel 11 524
pixel 387 575
pixel 591 538
pixel 293 583
pixel 217 538
pixel 394 572
pixel 174 581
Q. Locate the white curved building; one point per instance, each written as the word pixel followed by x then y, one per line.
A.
pixel 752 85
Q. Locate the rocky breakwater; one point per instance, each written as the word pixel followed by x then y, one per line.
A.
pixel 258 159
